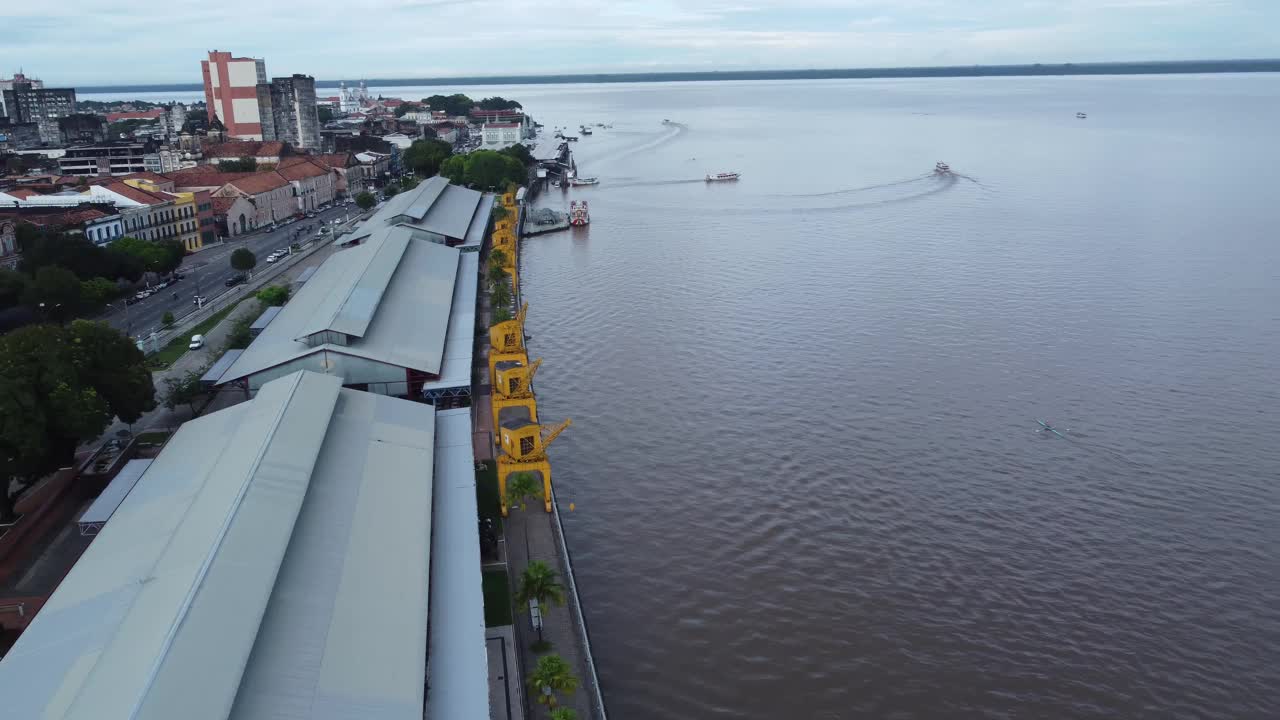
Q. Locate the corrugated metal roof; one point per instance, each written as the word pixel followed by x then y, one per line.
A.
pixel 479 222
pixel 344 633
pixel 306 274
pixel 106 503
pixel 159 616
pixel 451 214
pixel 457 661
pixel 266 317
pixel 220 366
pixel 408 325
pixel 353 296
pixel 412 203
pixel 455 371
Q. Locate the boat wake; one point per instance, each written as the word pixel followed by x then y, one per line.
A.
pixel 674 130
pixel 936 184
pixel 656 183
pixel 864 188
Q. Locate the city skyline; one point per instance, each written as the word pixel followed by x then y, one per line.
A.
pixel 484 37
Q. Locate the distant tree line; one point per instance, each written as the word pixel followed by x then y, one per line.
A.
pixel 459 104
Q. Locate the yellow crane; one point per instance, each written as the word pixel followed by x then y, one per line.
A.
pixel 524 449
pixel 512 388
pixel 507 336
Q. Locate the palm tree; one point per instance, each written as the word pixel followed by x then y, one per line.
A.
pixel 564 714
pixel 522 487
pixel 497 257
pixel 497 275
pixel 551 676
pixel 501 296
pixel 501 314
pixel 538 583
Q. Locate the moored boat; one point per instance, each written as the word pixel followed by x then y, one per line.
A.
pixel 723 177
pixel 578 182
pixel 578 214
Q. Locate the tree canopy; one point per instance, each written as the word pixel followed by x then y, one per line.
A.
pixel 41 248
pixel 365 200
pixel 274 295
pixel 456 104
pixel 243 259
pixel 324 113
pixel 244 164
pixel 484 170
pixel 555 675
pixel 519 152
pixel 61 386
pixel 56 292
pixel 406 108
pixel 499 103
pixel 162 256
pixel 425 156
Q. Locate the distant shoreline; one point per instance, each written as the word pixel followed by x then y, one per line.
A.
pixel 1038 69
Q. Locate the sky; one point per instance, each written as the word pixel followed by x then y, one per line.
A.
pixel 76 43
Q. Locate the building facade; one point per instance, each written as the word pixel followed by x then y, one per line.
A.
pixel 500 135
pixel 290 102
pixel 18 136
pixel 8 85
pixel 26 103
pixel 231 93
pixel 104 160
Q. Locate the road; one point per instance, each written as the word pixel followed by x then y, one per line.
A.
pixel 208 270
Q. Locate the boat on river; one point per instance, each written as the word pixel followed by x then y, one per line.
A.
pixel 724 177
pixel 579 182
pixel 942 168
pixel 1081 115
pixel 578 214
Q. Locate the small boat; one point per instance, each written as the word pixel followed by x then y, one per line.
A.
pixel 585 130
pixel 723 177
pixel 578 182
pixel 571 138
pixel 942 168
pixel 1081 115
pixel 578 214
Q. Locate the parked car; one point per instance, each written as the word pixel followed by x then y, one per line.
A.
pixel 198 299
pixel 235 280
pixel 271 258
pixel 197 342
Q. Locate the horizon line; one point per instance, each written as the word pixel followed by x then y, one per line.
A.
pixel 1139 67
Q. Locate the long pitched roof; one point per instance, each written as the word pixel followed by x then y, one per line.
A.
pixel 435 206
pixel 391 295
pixel 269 563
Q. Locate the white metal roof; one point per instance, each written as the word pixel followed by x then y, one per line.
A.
pixel 457 661
pixel 266 317
pixel 271 563
pixel 106 503
pixel 408 324
pixel 434 206
pixel 219 367
pixel 352 296
pixel 344 632
pixel 451 214
pixel 455 370
pixel 480 222
pixel 158 617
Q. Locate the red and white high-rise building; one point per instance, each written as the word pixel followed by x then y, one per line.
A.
pixel 231 93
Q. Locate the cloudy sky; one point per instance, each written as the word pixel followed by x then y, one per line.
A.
pixel 84 42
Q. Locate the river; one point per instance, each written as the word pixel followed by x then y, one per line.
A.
pixel 805 458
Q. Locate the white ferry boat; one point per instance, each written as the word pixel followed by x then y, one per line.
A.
pixel 723 177
pixel 579 182
pixel 942 168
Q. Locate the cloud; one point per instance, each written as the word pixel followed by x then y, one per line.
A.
pixel 71 42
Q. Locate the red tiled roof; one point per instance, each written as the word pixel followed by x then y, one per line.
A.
pixel 243 148
pixel 305 168
pixel 144 115
pixel 221 205
pixel 59 218
pixel 203 176
pixel 337 160
pixel 22 193
pixel 138 194
pixel 259 183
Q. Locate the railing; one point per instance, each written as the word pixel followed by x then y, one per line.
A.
pixel 558 529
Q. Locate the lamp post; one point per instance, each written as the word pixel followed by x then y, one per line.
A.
pixel 128 324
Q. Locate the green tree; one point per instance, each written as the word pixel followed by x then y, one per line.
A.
pixel 54 291
pixel 501 314
pixel 409 183
pixel 96 292
pixel 243 260
pixel 497 275
pixel 425 156
pixel 324 113
pixel 172 253
pixel 274 295
pixel 538 583
pixel 564 713
pixel 551 675
pixel 406 108
pixel 521 488
pixel 391 191
pixel 156 257
pixel 41 248
pixel 59 387
pixel 365 200
pixel 183 390
pixel 500 212
pixel 167 319
pixel 240 337
pixel 244 164
pixel 452 105
pixel 499 103
pixel 455 168
pixel 519 152
pixel 13 286
pixel 500 296
pixel 498 258
pixel 487 170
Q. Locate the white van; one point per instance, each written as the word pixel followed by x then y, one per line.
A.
pixel 197 342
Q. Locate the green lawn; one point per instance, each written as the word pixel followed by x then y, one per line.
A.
pixel 177 347
pixel 497 598
pixel 152 438
pixel 487 494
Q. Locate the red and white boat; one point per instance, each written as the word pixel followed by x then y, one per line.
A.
pixel 578 214
pixel 723 177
